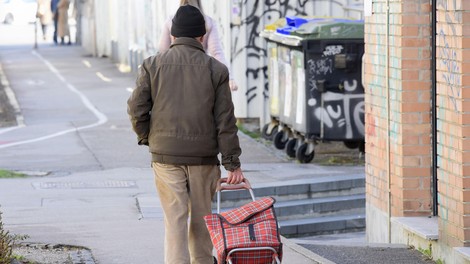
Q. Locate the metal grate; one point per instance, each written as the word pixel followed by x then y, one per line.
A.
pixel 85 185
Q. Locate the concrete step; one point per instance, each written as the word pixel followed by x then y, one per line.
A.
pixel 323 225
pixel 317 207
pixel 315 187
pixel 322 205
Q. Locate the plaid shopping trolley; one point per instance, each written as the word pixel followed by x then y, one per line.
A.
pixel 248 234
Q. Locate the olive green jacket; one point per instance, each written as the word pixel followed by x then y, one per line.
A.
pixel 182 108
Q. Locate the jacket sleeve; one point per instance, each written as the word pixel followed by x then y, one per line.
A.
pixel 229 145
pixel 139 105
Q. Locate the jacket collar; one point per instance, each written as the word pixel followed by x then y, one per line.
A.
pixel 187 41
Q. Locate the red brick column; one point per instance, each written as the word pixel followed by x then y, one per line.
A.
pixel 411 180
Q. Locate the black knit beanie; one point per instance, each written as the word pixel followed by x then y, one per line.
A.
pixel 188 22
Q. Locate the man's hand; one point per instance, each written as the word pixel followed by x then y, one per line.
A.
pixel 235 177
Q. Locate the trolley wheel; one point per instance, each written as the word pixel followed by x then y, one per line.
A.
pixel 351 144
pixel 290 147
pixel 273 132
pixel 264 131
pixel 301 154
pixel 278 140
pixel 266 134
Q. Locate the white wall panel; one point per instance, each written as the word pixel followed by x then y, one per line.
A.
pixel 102 24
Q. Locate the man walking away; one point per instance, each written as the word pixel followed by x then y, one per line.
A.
pixel 182 109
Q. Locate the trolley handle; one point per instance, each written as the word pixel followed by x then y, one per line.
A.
pixel 245 185
pixel 221 187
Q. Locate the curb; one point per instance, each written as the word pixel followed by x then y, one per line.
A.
pixel 11 98
pixel 82 256
pixel 305 252
pixel 77 254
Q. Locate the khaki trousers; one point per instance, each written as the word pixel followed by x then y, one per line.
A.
pixel 186 197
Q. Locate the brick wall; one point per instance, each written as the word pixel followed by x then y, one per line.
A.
pixel 453 121
pixel 398 119
pixel 374 70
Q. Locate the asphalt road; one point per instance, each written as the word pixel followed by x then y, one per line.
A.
pixel 71 123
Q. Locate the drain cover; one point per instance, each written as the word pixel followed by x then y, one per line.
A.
pixel 85 185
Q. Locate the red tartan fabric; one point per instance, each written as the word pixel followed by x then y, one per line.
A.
pixel 251 225
pixel 241 214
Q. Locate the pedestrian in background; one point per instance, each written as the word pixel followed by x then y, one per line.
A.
pixel 211 43
pixel 55 18
pixel 182 109
pixel 63 29
pixel 45 16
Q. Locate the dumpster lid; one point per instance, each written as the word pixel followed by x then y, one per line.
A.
pixel 292 31
pixel 331 29
pixel 296 21
pixel 281 30
pixel 281 22
pixel 289 40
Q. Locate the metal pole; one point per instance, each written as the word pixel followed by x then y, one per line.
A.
pixel 434 189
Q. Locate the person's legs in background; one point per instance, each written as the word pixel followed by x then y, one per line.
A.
pixel 55 29
pixel 44 31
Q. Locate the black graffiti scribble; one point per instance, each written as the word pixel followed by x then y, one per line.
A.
pixel 255 71
pixel 251 93
pixel 266 84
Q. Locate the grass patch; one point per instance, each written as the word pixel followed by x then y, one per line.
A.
pixel 427 254
pixel 327 160
pixel 252 134
pixel 7 242
pixel 11 174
